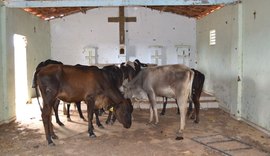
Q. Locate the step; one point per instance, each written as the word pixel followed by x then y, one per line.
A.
pixel 206 101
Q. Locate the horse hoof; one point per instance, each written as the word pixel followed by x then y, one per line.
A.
pixel 101 126
pixel 196 122
pixel 92 136
pixel 161 114
pixel 85 120
pixel 152 124
pixel 68 119
pixel 179 138
pixel 51 144
pixel 54 136
pixel 60 124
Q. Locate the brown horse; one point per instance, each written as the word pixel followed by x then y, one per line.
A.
pixel 69 84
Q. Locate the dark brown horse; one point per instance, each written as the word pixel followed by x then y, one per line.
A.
pixel 72 84
pixel 128 70
pixel 55 107
pixel 115 76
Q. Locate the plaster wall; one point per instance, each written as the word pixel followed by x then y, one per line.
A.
pixel 71 34
pixel 256 54
pixel 219 62
pixel 242 50
pixel 2 58
pixel 37 32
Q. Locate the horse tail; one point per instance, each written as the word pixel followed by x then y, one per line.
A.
pixel 191 78
pixel 36 88
pixel 35 85
pixel 38 68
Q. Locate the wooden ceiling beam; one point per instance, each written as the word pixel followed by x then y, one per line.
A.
pixel 189 11
pixel 99 3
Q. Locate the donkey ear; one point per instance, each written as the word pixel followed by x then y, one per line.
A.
pixel 144 65
pixel 137 61
pixel 128 99
pixel 116 106
pixel 124 85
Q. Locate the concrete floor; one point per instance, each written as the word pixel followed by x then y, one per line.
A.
pixel 216 134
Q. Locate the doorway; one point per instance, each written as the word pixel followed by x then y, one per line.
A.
pixel 20 64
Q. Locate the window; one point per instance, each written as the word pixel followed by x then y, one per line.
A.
pixel 212 37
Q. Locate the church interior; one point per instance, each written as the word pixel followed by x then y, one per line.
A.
pixel 226 40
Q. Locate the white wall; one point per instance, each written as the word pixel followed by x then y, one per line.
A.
pixel 241 49
pixel 37 32
pixel 256 54
pixel 2 58
pixel 71 34
pixel 219 62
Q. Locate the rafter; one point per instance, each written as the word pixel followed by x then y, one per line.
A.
pixel 96 3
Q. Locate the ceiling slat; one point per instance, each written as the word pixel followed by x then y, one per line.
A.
pixel 98 3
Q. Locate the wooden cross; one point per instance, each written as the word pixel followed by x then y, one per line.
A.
pixel 122 19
